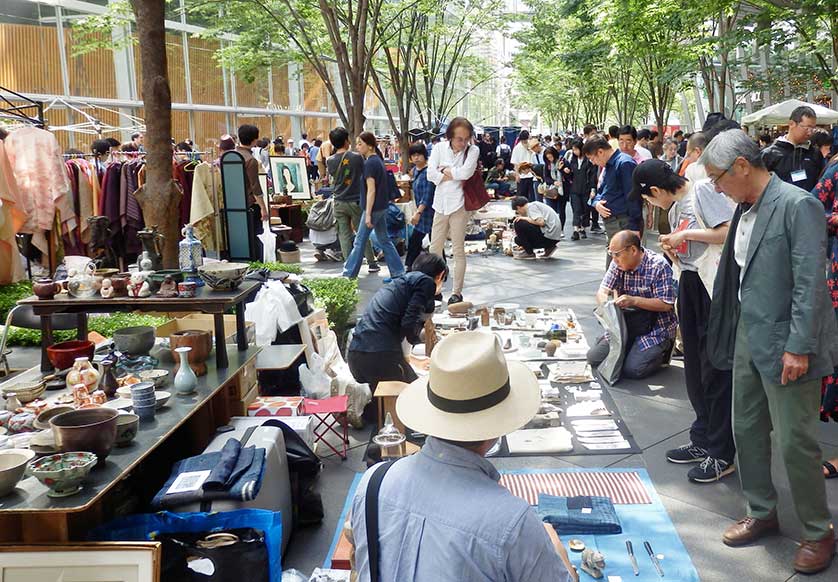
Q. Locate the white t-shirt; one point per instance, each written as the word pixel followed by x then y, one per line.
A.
pixel 520 154
pixel 552 228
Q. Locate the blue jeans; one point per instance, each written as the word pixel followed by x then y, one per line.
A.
pixel 380 238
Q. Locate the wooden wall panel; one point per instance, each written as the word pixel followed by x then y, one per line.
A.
pixel 30 59
pixel 209 127
pixel 92 74
pixel 180 125
pixel 207 77
pixel 280 82
pixel 177 71
pixel 253 94
pixel 315 97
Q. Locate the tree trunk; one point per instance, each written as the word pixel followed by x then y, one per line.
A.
pixel 160 199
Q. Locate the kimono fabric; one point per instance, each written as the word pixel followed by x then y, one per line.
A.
pixel 11 219
pixel 825 190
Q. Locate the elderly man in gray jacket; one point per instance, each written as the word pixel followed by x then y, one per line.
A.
pixel 771 322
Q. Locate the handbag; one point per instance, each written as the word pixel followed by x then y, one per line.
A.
pixel 321 216
pixel 475 195
pixel 548 191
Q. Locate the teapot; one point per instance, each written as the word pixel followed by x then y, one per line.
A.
pixel 83 284
pixel 153 244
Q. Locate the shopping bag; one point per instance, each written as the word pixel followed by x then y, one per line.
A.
pixel 215 557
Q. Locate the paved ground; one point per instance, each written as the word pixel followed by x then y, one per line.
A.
pixel 657 412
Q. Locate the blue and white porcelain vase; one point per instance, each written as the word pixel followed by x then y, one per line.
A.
pixel 185 379
pixel 190 255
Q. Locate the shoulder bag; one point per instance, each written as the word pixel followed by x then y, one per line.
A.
pixel 475 194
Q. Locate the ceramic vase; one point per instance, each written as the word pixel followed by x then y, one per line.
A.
pixel 108 379
pixel 185 379
pixel 84 373
pixel 190 255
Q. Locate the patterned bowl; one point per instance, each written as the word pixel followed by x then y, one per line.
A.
pixel 127 426
pixel 63 473
pixel 157 376
pixel 26 391
pixel 223 276
pixel 12 466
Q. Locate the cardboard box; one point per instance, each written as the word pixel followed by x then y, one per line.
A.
pixel 206 322
pixel 276 406
pixel 247 400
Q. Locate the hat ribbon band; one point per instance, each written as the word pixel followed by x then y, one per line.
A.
pixel 472 405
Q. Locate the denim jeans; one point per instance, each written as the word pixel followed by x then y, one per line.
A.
pixel 380 238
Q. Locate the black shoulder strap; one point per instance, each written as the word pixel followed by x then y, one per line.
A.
pixel 371 516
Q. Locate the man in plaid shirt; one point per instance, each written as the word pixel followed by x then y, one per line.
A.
pixel 640 283
pixel 423 195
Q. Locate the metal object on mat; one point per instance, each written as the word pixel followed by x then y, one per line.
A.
pixel 630 551
pixel 654 558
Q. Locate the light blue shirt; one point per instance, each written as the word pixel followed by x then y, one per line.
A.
pixel 443 517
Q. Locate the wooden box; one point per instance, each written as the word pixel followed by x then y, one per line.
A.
pixel 387 393
pixel 205 322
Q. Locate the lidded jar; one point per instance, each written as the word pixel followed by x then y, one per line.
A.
pixel 83 372
pixel 190 251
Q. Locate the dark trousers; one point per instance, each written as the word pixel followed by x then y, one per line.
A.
pixel 709 390
pixel 530 237
pixel 374 367
pixel 581 210
pixel 526 188
pixel 560 206
pixel 594 216
pixel 414 247
pixel 638 363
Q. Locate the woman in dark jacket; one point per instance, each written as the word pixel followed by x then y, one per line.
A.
pixel 555 195
pixel 584 182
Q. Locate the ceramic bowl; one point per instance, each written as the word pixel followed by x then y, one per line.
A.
pixel 124 392
pixel 63 354
pixel 42 421
pixel 223 276
pixel 145 412
pixel 136 341
pixel 92 429
pixel 159 377
pixel 120 404
pixel 43 442
pixel 21 422
pixel 26 391
pixel 12 467
pixel 162 397
pixel 63 473
pixel 127 426
pixel 142 389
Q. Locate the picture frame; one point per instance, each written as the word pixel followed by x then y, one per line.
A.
pixel 290 177
pixel 81 562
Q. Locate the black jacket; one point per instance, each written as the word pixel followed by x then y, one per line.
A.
pixel 396 311
pixel 783 157
pixel 584 176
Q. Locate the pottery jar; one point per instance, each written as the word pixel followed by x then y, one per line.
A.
pixel 119 282
pixel 83 373
pixel 46 288
pixel 187 289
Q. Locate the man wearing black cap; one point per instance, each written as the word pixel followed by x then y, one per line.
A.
pixel 699 217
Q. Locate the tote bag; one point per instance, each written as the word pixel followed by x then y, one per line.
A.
pixel 474 190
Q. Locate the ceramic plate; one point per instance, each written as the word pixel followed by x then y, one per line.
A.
pixel 119 404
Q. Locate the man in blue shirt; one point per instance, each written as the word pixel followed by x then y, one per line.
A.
pixel 441 515
pixel 423 195
pixel 612 201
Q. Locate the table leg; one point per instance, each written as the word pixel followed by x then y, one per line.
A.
pixel 81 326
pixel 220 345
pixel 241 336
pixel 46 341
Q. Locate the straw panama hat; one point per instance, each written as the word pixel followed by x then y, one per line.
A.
pixel 472 393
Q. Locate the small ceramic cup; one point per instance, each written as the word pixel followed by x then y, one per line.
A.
pixel 187 289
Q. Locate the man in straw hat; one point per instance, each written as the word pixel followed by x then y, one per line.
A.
pixel 441 514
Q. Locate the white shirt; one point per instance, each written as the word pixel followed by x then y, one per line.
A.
pixel 743 239
pixel 641 154
pixel 520 154
pixel 552 228
pixel 537 158
pixel 448 197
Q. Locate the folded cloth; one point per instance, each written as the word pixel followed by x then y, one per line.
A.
pixel 244 478
pixel 228 468
pixel 579 515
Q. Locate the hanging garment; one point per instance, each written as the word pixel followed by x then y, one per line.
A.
pixel 38 166
pixel 184 174
pixel 11 219
pixel 86 208
pixel 202 209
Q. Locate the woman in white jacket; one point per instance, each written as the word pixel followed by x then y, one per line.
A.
pixel 451 164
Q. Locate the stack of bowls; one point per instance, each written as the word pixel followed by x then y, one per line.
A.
pixel 145 402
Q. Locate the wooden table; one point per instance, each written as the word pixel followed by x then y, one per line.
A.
pixel 279 357
pixel 206 300
pixel 29 515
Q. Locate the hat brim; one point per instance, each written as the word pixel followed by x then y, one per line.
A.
pixel 415 410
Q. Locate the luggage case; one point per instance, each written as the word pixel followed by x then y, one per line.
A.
pixel 275 493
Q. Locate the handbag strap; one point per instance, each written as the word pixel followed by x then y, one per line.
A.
pixel 371 517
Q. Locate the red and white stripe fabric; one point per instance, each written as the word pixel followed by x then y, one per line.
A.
pixel 624 487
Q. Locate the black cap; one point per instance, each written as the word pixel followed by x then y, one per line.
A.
pixel 650 173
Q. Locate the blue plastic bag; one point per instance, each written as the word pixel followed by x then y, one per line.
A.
pixel 146 527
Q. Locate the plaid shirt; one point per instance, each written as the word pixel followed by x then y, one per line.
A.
pixel 651 279
pixel 423 193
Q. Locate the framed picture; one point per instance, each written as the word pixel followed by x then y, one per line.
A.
pixel 81 562
pixel 290 177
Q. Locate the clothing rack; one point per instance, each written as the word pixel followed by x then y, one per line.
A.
pixel 9 109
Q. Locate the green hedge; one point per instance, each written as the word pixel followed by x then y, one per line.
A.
pixel 294 268
pixel 101 324
pixel 339 297
pixel 10 295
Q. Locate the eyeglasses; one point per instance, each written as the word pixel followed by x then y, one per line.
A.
pixel 613 254
pixel 807 128
pixel 715 180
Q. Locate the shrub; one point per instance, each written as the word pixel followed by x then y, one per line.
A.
pixel 339 297
pixel 10 295
pixel 295 268
pixel 102 324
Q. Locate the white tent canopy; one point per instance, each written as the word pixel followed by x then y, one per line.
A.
pixel 779 114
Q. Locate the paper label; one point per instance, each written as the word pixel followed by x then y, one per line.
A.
pixel 190 481
pixel 798 175
pixel 586 510
pixel 615 579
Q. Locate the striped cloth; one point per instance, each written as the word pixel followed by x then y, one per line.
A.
pixel 624 488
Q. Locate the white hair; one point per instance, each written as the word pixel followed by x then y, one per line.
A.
pixel 728 145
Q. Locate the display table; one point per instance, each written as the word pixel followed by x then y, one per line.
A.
pixel 206 300
pixel 28 515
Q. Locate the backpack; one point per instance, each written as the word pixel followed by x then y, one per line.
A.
pixel 393 192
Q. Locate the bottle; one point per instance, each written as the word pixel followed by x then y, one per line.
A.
pixel 185 379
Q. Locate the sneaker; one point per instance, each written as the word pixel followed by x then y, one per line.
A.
pixel 583 234
pixel 333 255
pixel 374 268
pixel 548 252
pixel 596 228
pixel 575 235
pixel 320 255
pixel 455 298
pixel 688 453
pixel 710 470
pixel 524 256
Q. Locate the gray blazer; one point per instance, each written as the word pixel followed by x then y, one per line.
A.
pixel 785 302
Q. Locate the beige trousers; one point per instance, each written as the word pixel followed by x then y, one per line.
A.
pixel 452 226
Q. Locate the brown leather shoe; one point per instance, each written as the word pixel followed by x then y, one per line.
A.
pixel 814 556
pixel 750 529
